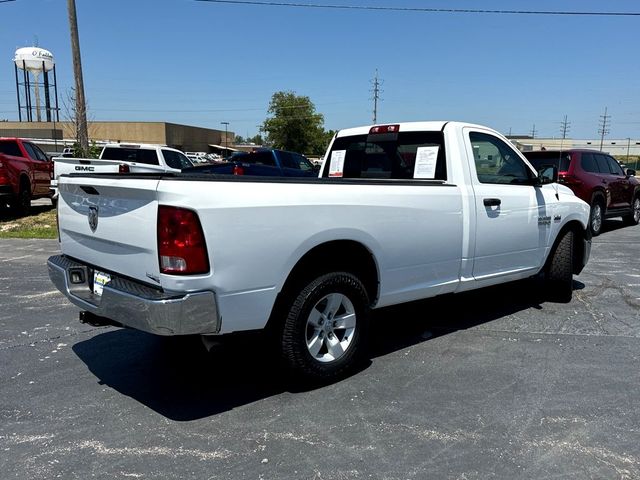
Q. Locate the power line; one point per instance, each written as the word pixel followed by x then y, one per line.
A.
pixel 425 10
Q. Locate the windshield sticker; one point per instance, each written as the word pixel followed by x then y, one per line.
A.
pixel 336 167
pixel 426 159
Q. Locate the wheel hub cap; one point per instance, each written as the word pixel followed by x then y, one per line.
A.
pixel 330 327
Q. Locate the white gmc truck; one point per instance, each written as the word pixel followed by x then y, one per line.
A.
pixel 120 158
pixel 399 213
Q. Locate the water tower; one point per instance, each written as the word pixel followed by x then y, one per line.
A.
pixel 35 61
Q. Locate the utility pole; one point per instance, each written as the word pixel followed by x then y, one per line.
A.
pixel 376 96
pixel 533 131
pixel 226 149
pixel 565 126
pixel 81 106
pixel 604 123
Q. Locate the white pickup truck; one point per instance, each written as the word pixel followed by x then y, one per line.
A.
pixel 399 213
pixel 120 158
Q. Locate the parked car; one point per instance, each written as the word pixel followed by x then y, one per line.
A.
pixel 25 174
pixel 598 179
pixel 122 157
pixel 262 162
pixel 399 213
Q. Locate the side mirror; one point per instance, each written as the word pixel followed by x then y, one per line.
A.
pixel 316 167
pixel 630 172
pixel 547 174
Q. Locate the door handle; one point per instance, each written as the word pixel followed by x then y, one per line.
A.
pixel 492 202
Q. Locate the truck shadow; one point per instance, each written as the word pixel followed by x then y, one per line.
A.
pixel 180 380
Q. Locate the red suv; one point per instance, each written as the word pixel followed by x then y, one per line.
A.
pixel 598 179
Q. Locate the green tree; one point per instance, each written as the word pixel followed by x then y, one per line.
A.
pixel 294 124
pixel 239 140
pixel 257 139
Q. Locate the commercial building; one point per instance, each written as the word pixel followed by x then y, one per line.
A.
pixel 618 148
pixel 54 136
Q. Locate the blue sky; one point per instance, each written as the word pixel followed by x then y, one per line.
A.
pixel 202 63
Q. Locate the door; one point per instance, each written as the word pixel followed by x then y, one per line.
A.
pixel 513 217
pixel 619 184
pixel 41 167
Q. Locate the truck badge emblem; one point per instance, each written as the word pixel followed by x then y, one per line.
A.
pixel 93 218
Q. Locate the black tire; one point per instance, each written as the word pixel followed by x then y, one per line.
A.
pixel 596 217
pixel 299 329
pixel 21 205
pixel 559 274
pixel 54 202
pixel 634 217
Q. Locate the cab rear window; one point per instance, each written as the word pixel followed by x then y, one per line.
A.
pixel 403 155
pixel 137 155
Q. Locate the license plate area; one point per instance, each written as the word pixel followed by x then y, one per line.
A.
pixel 100 279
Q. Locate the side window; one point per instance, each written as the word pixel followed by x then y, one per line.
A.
pixel 176 160
pixel 496 162
pixel 588 162
pixel 287 160
pixel 10 148
pixel 302 162
pixel 40 155
pixel 614 167
pixel 603 165
pixel 31 151
pixel 263 158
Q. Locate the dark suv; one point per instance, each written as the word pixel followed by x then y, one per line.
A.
pixel 598 179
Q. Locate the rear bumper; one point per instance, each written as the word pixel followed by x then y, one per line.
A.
pixel 134 304
pixel 6 190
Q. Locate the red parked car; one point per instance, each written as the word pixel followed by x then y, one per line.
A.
pixel 25 174
pixel 598 179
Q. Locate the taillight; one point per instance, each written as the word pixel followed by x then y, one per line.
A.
pixel 123 168
pixel 384 129
pixel 567 179
pixel 4 179
pixel 238 170
pixel 181 246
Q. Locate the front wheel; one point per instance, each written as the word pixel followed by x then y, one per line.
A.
pixel 634 217
pixel 325 331
pixel 559 273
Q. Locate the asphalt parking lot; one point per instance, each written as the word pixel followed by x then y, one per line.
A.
pixel 496 383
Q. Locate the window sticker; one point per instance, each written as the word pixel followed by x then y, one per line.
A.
pixel 426 159
pixel 336 167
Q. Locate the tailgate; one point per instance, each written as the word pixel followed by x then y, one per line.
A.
pixel 110 223
pixel 63 165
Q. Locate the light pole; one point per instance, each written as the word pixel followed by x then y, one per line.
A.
pixel 628 147
pixel 226 124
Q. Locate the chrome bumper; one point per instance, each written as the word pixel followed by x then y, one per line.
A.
pixel 135 305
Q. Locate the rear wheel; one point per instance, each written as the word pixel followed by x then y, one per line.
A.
pixel 325 331
pixel 22 203
pixel 634 217
pixel 559 273
pixel 597 217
